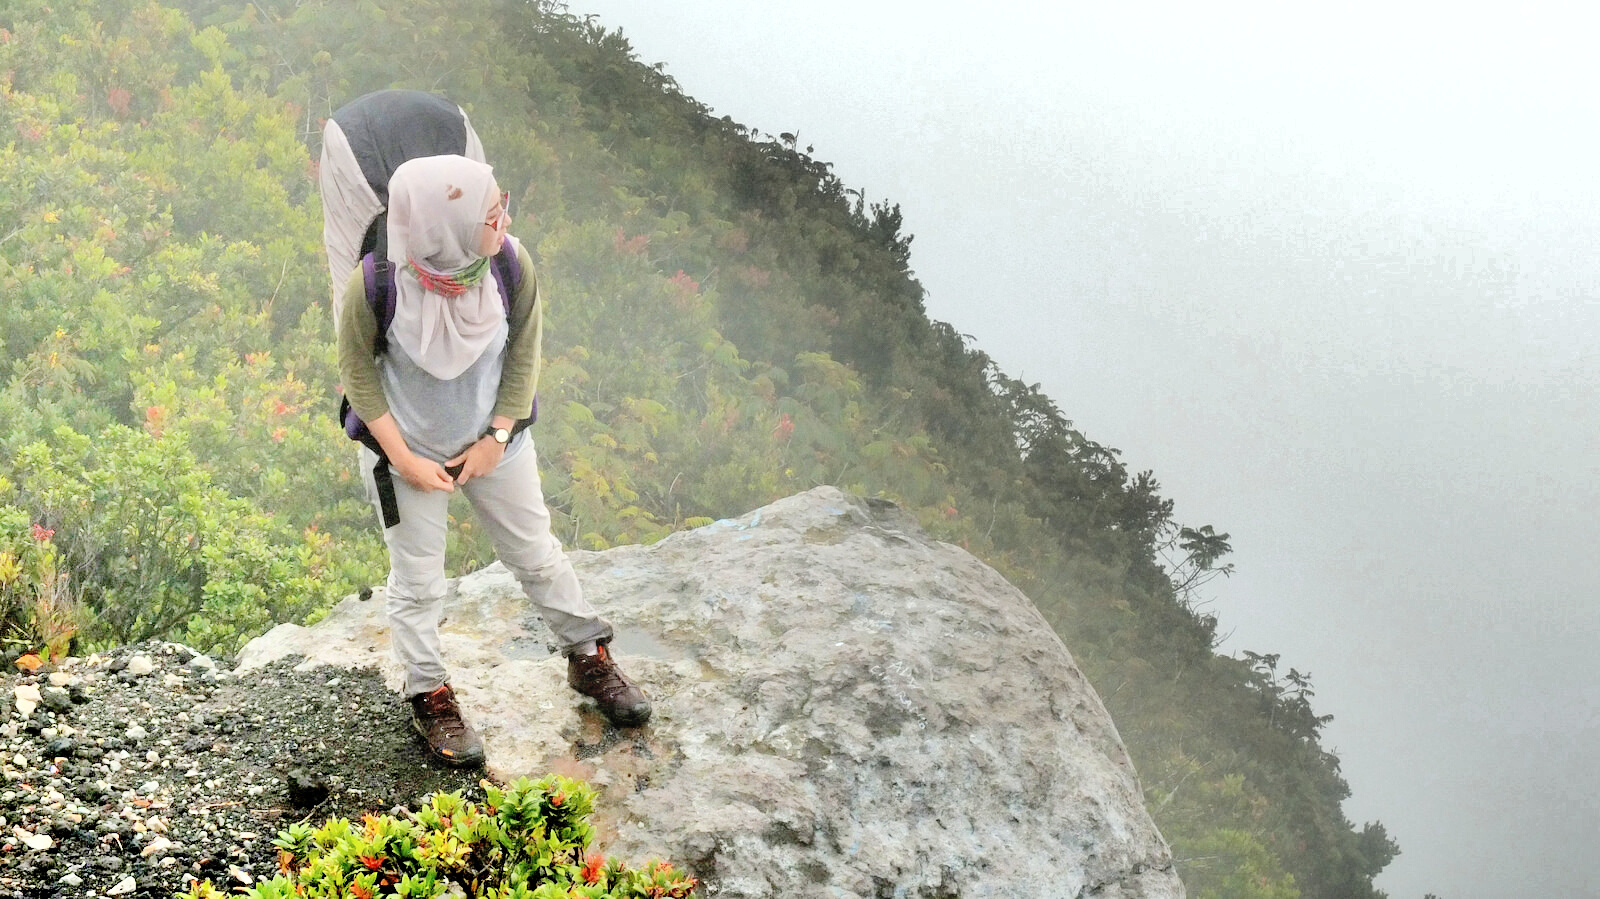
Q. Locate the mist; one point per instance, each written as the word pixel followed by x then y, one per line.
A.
pixel 1333 278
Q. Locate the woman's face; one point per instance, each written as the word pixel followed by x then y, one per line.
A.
pixel 496 219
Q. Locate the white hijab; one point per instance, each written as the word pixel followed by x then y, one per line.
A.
pixel 436 214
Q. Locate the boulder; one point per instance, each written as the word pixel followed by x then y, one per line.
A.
pixel 844 707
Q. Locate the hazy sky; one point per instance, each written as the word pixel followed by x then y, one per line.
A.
pixel 1331 272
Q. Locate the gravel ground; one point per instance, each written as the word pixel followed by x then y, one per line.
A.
pixel 133 772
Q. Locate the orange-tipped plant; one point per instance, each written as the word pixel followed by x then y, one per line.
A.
pixel 528 841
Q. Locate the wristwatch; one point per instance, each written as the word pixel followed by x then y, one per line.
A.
pixel 501 436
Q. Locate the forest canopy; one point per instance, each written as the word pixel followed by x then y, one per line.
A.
pixel 728 323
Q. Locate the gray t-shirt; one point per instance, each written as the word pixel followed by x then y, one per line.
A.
pixel 440 419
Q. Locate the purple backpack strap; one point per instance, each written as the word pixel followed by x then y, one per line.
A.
pixel 508 273
pixel 377 276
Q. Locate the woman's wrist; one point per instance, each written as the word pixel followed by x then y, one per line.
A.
pixel 499 431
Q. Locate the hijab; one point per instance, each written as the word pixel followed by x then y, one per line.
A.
pixel 436 214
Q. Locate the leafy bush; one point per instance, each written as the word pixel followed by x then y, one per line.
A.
pixel 529 841
pixel 129 526
pixel 40 607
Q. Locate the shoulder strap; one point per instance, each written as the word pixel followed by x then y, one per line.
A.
pixel 508 273
pixel 377 277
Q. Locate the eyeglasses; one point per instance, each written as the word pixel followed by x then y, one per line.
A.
pixel 504 215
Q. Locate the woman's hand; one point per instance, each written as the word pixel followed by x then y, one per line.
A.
pixel 424 474
pixel 479 459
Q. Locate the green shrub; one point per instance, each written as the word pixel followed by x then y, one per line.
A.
pixel 131 528
pixel 528 841
pixel 40 608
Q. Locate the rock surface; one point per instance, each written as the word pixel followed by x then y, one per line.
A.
pixel 844 707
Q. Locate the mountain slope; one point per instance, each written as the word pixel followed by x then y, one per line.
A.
pixel 728 324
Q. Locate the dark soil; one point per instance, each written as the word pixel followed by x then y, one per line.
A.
pixel 144 780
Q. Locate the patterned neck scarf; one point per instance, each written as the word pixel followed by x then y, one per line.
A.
pixel 450 285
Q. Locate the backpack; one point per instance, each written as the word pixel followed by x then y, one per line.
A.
pixel 365 140
pixel 377 276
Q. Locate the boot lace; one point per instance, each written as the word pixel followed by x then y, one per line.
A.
pixel 440 706
pixel 603 674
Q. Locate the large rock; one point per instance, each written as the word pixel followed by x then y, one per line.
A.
pixel 844 708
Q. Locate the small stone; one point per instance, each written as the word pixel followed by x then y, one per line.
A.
pixel 149 788
pixel 124 886
pixel 152 756
pixel 306 789
pixel 136 732
pixel 139 666
pixel 60 678
pixel 72 880
pixel 157 845
pixel 60 748
pixel 56 699
pixel 25 707
pixel 240 874
pixel 172 680
pixel 204 663
pixel 33 840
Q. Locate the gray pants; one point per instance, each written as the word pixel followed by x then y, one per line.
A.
pixel 510 504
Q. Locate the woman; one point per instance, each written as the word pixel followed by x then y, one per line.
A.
pixel 442 402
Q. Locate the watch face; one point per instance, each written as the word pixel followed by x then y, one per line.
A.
pixel 501 435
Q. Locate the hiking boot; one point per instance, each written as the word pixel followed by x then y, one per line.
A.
pixel 438 719
pixel 598 676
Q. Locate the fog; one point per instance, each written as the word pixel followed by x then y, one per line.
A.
pixel 1332 275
